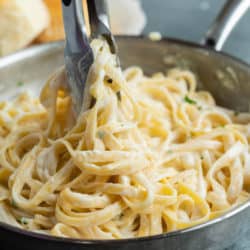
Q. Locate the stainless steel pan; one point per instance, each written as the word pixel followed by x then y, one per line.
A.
pixel 34 65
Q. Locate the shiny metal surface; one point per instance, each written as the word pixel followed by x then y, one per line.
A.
pixel 34 65
pixel 78 55
pixel 221 28
pixel 99 22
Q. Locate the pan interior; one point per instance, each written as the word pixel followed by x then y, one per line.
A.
pixel 226 78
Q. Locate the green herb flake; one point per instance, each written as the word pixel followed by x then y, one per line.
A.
pixel 13 203
pixel 101 134
pixel 20 84
pixel 170 151
pixel 119 96
pixel 189 100
pixel 110 81
pixel 23 221
pixel 236 113
pixel 189 136
pixel 202 157
pixel 199 107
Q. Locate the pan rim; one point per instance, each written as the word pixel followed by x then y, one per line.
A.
pixel 40 236
pixel 39 49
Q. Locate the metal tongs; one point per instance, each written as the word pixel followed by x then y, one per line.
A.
pixel 78 54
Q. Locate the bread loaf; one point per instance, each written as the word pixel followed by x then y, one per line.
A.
pixel 55 31
pixel 126 16
pixel 20 22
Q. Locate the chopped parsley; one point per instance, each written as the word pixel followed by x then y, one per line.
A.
pixel 202 157
pixel 23 221
pixel 189 100
pixel 199 107
pixel 118 94
pixel 236 113
pixel 13 203
pixel 170 151
pixel 190 135
pixel 101 134
pixel 20 83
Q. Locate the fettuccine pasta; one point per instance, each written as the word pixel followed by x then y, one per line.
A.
pixel 149 155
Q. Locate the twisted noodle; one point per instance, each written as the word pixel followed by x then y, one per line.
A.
pixel 151 155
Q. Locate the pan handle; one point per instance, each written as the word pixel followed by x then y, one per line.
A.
pixel 221 28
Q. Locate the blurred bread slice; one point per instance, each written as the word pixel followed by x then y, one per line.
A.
pixel 126 16
pixel 55 31
pixel 20 22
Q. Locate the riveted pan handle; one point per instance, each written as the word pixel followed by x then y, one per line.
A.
pixel 221 28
